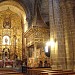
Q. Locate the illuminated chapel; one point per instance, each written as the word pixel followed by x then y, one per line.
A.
pixel 37 34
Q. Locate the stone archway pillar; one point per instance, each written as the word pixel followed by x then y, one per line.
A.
pixel 58 55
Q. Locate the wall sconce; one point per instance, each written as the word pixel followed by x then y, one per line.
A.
pixel 47 51
pixel 50 44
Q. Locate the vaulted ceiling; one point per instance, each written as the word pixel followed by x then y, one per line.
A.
pixel 29 6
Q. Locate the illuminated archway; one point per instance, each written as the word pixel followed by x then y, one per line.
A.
pixel 13 37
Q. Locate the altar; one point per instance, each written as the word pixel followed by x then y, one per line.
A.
pixel 9 63
pixel 6 61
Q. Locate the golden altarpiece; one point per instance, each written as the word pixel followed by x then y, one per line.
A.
pixel 10 35
pixel 36 37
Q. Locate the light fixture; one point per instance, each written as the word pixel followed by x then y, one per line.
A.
pixel 46 48
pixel 50 44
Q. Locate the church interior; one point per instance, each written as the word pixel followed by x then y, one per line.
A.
pixel 37 37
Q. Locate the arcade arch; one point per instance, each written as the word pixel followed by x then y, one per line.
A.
pixel 13 14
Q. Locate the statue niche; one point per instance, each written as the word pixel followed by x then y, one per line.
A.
pixel 5 54
pixel 7 22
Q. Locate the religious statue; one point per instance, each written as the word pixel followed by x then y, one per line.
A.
pixel 6 40
pixel 6 53
pixel 7 22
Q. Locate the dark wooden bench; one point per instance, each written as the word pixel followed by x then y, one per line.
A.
pixel 39 71
pixel 68 72
pixel 58 72
pixel 9 72
pixel 51 72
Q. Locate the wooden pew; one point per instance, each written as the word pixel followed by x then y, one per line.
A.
pixel 51 72
pixel 43 71
pixel 38 71
pixel 33 72
pixel 68 72
pixel 11 73
pixel 58 72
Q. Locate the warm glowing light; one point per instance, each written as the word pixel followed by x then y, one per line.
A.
pixel 48 43
pixel 6 40
pixel 46 48
pixel 52 43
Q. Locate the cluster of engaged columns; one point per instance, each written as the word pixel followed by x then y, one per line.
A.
pixel 62 30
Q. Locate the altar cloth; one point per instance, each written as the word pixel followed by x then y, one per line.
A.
pixel 6 63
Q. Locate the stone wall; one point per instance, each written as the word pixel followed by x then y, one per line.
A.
pixel 62 29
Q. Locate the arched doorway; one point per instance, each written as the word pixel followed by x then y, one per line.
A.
pixel 12 26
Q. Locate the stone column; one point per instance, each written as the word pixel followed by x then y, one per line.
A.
pixel 58 55
pixel 67 18
pixel 35 57
pixel 23 41
pixel 24 29
pixel 71 34
pixel 23 46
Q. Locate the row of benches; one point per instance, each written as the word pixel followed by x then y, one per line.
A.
pixel 9 72
pixel 39 71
